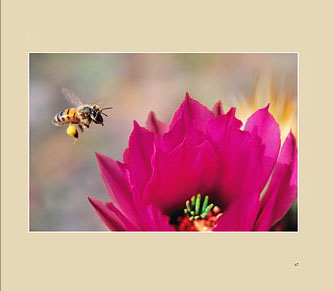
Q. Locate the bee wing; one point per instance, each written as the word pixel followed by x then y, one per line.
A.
pixel 71 97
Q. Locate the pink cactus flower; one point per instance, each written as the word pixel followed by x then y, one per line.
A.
pixel 201 172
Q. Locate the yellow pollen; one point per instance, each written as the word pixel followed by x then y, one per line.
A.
pixel 71 130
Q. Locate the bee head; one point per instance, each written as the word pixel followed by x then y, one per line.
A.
pixel 96 114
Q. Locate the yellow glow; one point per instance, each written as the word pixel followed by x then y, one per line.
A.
pixel 282 99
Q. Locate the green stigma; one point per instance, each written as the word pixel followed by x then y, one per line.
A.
pixel 193 207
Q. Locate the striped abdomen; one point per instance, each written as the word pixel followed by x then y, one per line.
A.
pixel 67 116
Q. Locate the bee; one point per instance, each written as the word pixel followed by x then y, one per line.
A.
pixel 82 115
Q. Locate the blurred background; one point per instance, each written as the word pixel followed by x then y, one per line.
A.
pixel 62 174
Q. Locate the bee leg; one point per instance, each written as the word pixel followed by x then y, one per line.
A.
pixel 75 140
pixel 76 137
pixel 81 128
pixel 85 123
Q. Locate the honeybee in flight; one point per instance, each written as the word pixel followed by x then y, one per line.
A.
pixel 82 115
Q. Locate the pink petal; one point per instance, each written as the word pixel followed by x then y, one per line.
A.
pixel 240 157
pixel 191 118
pixel 138 156
pixel 240 182
pixel 218 108
pixel 282 189
pixel 154 220
pixel 196 113
pixel 263 125
pixel 128 225
pixel 155 125
pixel 179 174
pixel 176 135
pixel 149 217
pixel 117 186
pixel 163 222
pixel 107 216
pixel 241 215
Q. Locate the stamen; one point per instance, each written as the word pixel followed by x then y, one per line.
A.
pixel 188 206
pixel 196 203
pixel 198 217
pixel 193 201
pixel 205 203
pixel 209 208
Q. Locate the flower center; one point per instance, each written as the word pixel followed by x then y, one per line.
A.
pixel 198 216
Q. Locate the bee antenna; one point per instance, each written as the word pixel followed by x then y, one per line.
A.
pixel 106 108
pixel 104 114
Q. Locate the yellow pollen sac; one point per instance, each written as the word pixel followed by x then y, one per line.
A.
pixel 71 130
